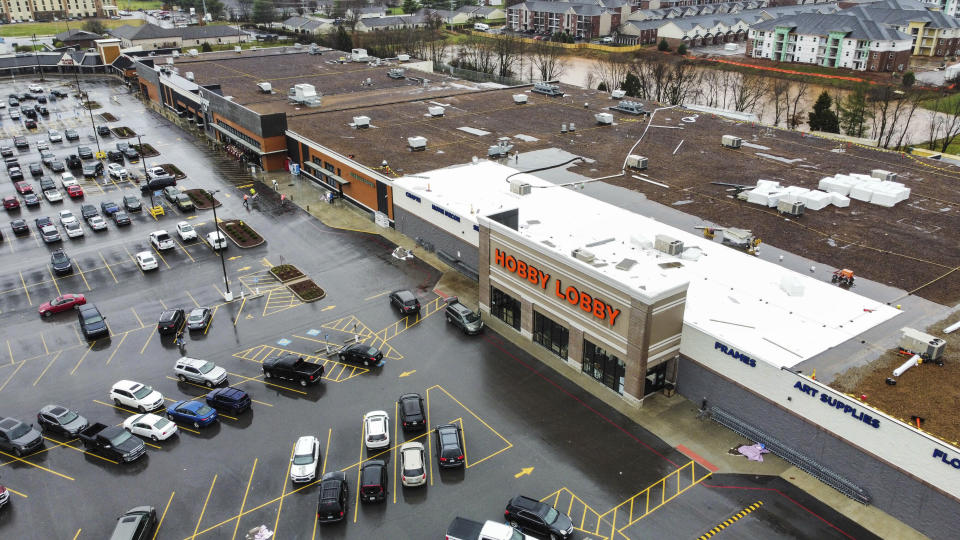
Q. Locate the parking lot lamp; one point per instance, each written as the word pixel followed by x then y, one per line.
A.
pixel 228 296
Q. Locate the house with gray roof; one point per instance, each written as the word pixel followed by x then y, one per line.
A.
pixel 585 19
pixel 77 38
pixel 152 37
pixel 934 33
pixel 372 24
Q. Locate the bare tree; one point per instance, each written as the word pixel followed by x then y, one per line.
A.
pixel 793 102
pixel 681 82
pixel 549 61
pixel 937 124
pixel 659 75
pixel 881 98
pixel 779 90
pixel 244 8
pixel 509 50
pixel 711 87
pixel 477 54
pixel 912 100
pixel 611 70
pixel 750 91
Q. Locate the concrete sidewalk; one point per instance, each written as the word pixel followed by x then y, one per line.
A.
pixel 672 419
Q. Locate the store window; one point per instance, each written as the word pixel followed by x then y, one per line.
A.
pixel 550 334
pixel 505 307
pixel 603 366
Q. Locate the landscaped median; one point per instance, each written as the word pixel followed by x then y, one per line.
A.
pixel 201 199
pixel 299 284
pixel 242 234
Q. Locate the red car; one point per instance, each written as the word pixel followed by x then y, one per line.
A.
pixel 74 191
pixel 11 203
pixel 62 303
pixel 24 187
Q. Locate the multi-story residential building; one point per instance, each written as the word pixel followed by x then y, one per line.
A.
pixel 585 19
pixel 45 10
pixel 934 33
pixel 840 40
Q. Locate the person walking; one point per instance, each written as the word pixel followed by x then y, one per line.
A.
pixel 246 201
pixel 181 343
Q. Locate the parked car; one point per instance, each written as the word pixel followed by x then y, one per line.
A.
pixel 71 135
pixel 449 446
pixel 46 156
pixel 6 151
pixel 361 354
pixel 109 208
pixel 120 218
pixel 538 517
pixel 85 152
pixel 199 318
pixel 21 142
pixel 305 460
pixel 412 469
pixel 74 162
pixel 97 223
pixel 117 171
pixel 75 192
pixel 23 187
pixel 334 498
pixel 230 399
pixel 36 169
pixel 141 397
pixel 49 233
pixel 152 426
pixel 31 199
pixel 467 529
pixel 19 227
pixel 53 195
pixel 184 202
pixel 194 412
pixel 376 429
pixel 199 371
pixel 171 321
pixel 35 88
pixel 171 193
pixel 66 216
pixel 113 441
pixel 61 420
pixel 411 409
pixel 62 303
pixel 186 231
pixel 88 210
pixel 57 166
pixel 217 240
pixel 405 302
pixel 61 263
pixel 54 136
pixel 373 481
pixel 137 524
pixel 161 240
pixel 15 173
pixel 92 169
pixel 11 202
pixel 73 230
pixel 18 437
pixel 92 323
pixel 115 156
pixel 292 368
pixel 103 131
pixel 46 183
pixel 30 123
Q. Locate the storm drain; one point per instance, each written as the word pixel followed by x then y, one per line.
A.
pixel 801 461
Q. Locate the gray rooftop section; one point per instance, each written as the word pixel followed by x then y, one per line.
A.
pixel 588 10
pixel 883 13
pixel 146 31
pixel 76 34
pixel 816 24
pixel 208 31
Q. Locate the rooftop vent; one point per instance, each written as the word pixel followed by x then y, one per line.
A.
pixel 501 149
pixel 618 94
pixel 304 94
pixel 435 110
pixel 626 264
pixel 631 107
pixel 519 187
pixel 605 119
pixel 266 87
pixel 189 76
pixel 583 255
pixel 668 244
pixel 396 73
pixel 520 98
pixel 417 143
pixel 361 122
pixel 193 52
pixel 547 89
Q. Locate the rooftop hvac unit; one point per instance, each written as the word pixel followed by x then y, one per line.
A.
pixel 618 94
pixel 175 54
pixel 396 73
pixel 359 55
pixel 403 57
pixel 547 89
pixel 519 187
pixel 170 61
pixel 917 342
pixel 189 75
pixel 297 45
pixel 500 150
pixel 435 110
pixel 417 143
pixel 265 87
pixel 631 107
pixel 520 98
pixel 731 141
pixel 884 175
pixel 583 255
pixel 668 244
pixel 361 122
pixel 605 118
pixel 238 49
pixel 193 52
pixel 314 49
pixel 636 162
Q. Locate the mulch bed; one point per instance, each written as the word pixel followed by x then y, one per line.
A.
pixel 173 170
pixel 241 233
pixel 306 290
pixel 286 272
pixel 123 132
pixel 107 117
pixel 928 390
pixel 201 199
pixel 91 105
pixel 147 150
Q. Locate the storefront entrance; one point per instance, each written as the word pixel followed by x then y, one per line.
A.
pixel 603 366
pixel 656 379
pixel 550 334
pixel 505 307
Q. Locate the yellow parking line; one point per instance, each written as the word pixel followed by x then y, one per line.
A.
pixel 4 385
pixel 42 468
pixel 378 295
pixel 261 403
pixel 240 311
pixel 138 317
pixel 157 251
pixel 107 266
pixel 44 372
pixel 83 277
pixel 185 251
pixel 259 379
pixel 134 260
pixel 207 327
pixel 44 342
pixel 152 332
pixel 326 453
pixel 76 332
pixel 15 492
pixel 192 298
pixel 25 287
pixel 429 442
pixel 163 515
pixel 244 501
pixel 78 534
pixel 72 371
pixel 283 493
pixel 123 337
pixel 204 509
pixel 55 284
pixel 9 350
pixel 396 410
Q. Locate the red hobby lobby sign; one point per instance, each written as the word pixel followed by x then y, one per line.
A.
pixel 594 306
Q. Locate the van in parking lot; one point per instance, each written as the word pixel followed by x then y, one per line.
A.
pixel 480 27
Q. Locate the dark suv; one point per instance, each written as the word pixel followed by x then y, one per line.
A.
pixel 411 411
pixel 115 156
pixel 405 302
pixel 373 481
pixel 449 446
pixel 19 437
pixel 61 420
pixel 85 152
pixel 229 399
pixel 92 323
pixel 136 524
pixel 334 497
pixel 537 517
pixel 463 317
pixel 171 321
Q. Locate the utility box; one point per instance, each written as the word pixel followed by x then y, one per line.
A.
pixel 917 342
pixel 884 175
pixel 618 94
pixel 519 187
pixel 668 244
pixel 731 141
pixel 417 143
pixel 265 87
pixel 361 122
pixel 435 110
pixel 519 98
pixel 739 238
pixel 791 209
pixel 636 162
pixel 604 119
pixel 359 55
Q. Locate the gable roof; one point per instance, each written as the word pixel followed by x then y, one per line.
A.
pixel 818 24
pixel 295 22
pixel 146 31
pixel 76 34
pixel 207 31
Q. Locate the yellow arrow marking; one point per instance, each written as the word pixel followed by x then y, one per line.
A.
pixel 266 262
pixel 249 316
pixel 235 257
pixel 524 472
pixel 328 308
pixel 408 373
pixel 244 269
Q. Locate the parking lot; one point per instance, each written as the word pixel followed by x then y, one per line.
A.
pixel 527 430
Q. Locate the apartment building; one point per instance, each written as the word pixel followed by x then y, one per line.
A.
pixel 933 33
pixel 583 19
pixel 46 10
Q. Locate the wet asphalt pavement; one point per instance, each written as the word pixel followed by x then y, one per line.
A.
pixel 527 429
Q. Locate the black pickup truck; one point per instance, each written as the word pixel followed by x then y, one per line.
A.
pixel 292 368
pixel 113 441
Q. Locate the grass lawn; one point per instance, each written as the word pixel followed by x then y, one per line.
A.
pixel 246 45
pixel 947 104
pixel 395 11
pixel 134 5
pixel 51 28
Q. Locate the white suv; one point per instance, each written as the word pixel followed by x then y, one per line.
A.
pixel 199 371
pixel 161 240
pixel 116 171
pixel 186 231
pixel 68 180
pixel 133 394
pixel 376 425
pixel 306 457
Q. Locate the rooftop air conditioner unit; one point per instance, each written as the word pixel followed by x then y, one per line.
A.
pixel 403 57
pixel 583 255
pixel 618 94
pixel 631 107
pixel 396 73
pixel 238 49
pixel 519 187
pixel 361 122
pixel 731 141
pixel 547 89
pixel 668 244
pixel 636 162
pixel 417 143
pixel 520 98
pixel 189 75
pixel 169 61
pixel 175 54
pixel 193 52
pixel 435 111
pixel 605 119
pixel 265 87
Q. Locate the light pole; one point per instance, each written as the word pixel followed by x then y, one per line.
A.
pixel 146 177
pixel 36 56
pixel 228 296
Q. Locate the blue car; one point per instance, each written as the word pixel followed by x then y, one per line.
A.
pixel 195 412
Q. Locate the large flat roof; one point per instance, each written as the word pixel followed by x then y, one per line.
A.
pixel 740 299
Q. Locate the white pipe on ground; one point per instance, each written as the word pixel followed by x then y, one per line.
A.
pixel 951 328
pixel 913 361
